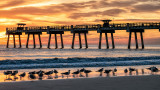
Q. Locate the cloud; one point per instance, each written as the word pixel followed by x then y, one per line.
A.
pixel 12 3
pixel 145 8
pixel 110 12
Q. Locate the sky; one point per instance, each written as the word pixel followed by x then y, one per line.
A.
pixel 73 12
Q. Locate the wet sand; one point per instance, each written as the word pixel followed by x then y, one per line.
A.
pixel 151 82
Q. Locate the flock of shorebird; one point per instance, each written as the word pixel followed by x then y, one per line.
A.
pixel 12 75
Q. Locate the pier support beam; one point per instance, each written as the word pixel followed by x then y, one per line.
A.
pixel 27 41
pixel 107 43
pixel 40 43
pixel 142 40
pixel 49 40
pixel 129 42
pixel 80 44
pixel 100 39
pixel 62 46
pixel 56 44
pixel 79 35
pixel 136 40
pixel 73 41
pixel 34 42
pixel 55 37
pixel 8 41
pixel 106 36
pixel 85 36
pixel 113 46
pixel 20 41
pixel 14 41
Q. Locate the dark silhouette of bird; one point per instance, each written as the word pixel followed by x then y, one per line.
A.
pixel 114 71
pixel 81 70
pixel 49 73
pixel 76 73
pixel 107 72
pixel 125 71
pixel 55 71
pixel 7 73
pixel 22 75
pixel 100 70
pixel 66 73
pixel 40 74
pixel 14 73
pixel 132 69
pixel 32 76
pixel 40 71
pixel 153 69
pixel 87 72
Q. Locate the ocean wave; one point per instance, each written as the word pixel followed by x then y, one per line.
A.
pixel 78 62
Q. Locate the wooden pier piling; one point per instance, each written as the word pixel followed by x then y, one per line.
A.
pixel 56 44
pixel 27 41
pixel 80 44
pixel 136 39
pixel 20 41
pixel 62 45
pixel 49 40
pixel 106 36
pixel 8 41
pixel 107 43
pixel 79 35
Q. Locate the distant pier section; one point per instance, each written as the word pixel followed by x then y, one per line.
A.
pixel 79 30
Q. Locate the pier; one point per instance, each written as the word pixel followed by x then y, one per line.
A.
pixel 106 28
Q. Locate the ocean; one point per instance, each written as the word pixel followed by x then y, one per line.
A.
pixel 22 58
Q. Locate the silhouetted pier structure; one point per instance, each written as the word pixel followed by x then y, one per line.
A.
pixel 106 29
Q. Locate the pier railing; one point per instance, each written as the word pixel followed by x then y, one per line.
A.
pixel 120 26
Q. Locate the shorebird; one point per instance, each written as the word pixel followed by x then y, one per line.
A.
pixel 87 72
pixel 125 71
pixel 107 72
pixel 40 71
pixel 131 70
pixel 81 70
pixel 8 73
pixel 76 73
pixel 40 74
pixel 14 73
pixel 153 69
pixel 49 73
pixel 55 71
pixel 100 70
pixel 32 76
pixel 66 73
pixel 113 71
pixel 22 75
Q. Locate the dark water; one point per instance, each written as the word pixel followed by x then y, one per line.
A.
pixel 69 58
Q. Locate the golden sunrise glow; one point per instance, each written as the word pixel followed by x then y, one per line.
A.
pixel 68 12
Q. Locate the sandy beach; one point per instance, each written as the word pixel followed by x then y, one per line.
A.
pixel 151 82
